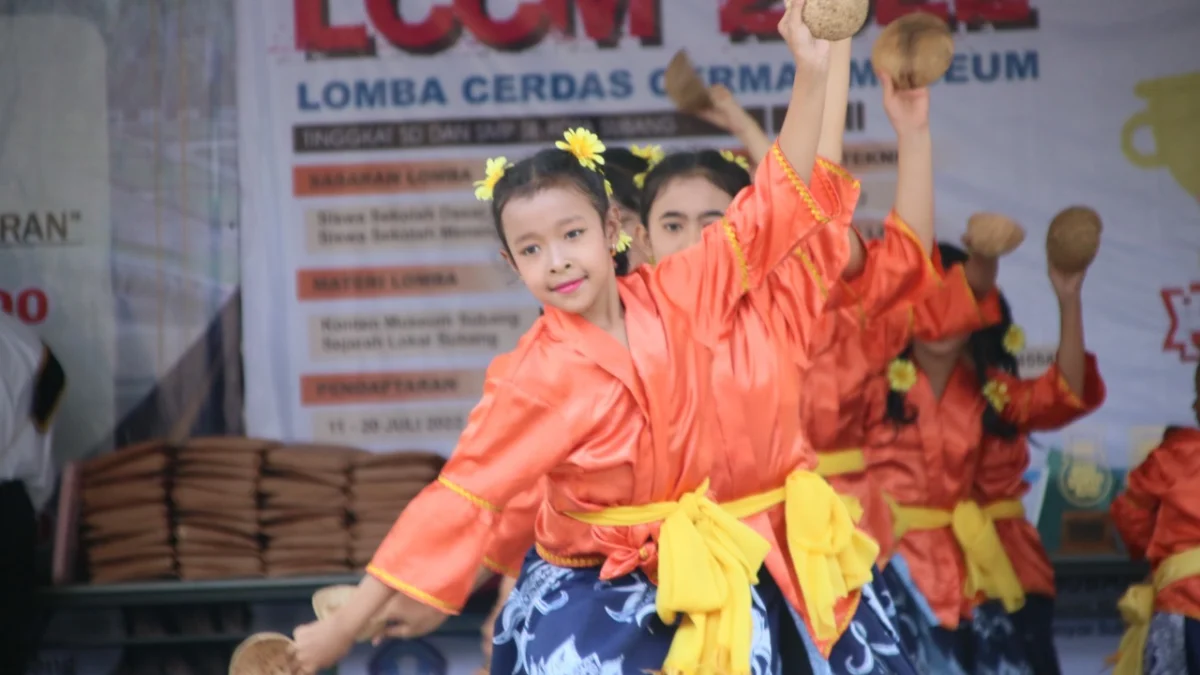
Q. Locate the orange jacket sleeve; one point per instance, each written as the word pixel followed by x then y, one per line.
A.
pixel 1047 402
pixel 1135 510
pixel 514 533
pixel 897 270
pixel 765 223
pixel 436 547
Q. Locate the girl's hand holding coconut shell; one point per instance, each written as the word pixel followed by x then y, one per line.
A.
pixel 992 235
pixel 810 52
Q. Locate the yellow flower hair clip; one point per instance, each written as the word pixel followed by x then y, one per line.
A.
pixel 585 145
pixel 491 175
pixel 901 375
pixel 736 159
pixel 624 241
pixel 653 154
pixel 996 394
pixel 1014 339
pixel 608 188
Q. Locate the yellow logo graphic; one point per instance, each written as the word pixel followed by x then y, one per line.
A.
pixel 1085 480
pixel 1171 114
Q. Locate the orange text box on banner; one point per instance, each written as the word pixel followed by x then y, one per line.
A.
pixel 410 226
pixel 433 333
pixel 403 281
pixel 335 180
pixel 396 387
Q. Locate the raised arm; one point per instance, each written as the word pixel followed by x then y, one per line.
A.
pixel 837 97
pixel 729 115
pixel 768 220
pixel 909 114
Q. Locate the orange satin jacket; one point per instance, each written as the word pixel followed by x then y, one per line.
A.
pixel 607 426
pixel 937 462
pixel 1158 514
pixel 757 420
pixel 854 345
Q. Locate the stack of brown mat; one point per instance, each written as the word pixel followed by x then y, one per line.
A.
pixel 126 518
pixel 380 487
pixel 216 505
pixel 303 509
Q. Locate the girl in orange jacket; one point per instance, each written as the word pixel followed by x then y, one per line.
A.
pixel 1157 516
pixel 934 413
pixel 610 397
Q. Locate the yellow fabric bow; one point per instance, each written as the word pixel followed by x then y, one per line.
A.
pixel 988 567
pixel 707 561
pixel 832 557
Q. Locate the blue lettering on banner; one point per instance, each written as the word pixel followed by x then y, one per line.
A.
pixel 983 67
pixel 560 87
pixel 767 78
pixel 400 92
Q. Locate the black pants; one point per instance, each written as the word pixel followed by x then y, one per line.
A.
pixel 18 541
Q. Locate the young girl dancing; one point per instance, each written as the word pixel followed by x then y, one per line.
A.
pixel 609 396
pixel 937 408
pixel 1156 516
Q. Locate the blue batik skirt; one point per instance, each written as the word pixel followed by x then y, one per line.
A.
pixel 987 644
pixel 1035 624
pixel 1173 647
pixel 566 620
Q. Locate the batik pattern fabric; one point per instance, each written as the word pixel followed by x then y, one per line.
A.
pixel 568 621
pixel 871 644
pixel 1035 624
pixel 929 650
pixel 1173 647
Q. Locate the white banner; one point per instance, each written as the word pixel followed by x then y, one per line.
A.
pixel 55 225
pixel 372 290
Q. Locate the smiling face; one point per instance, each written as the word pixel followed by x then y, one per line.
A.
pixel 680 212
pixel 561 248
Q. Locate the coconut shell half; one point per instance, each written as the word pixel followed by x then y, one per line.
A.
pixel 834 20
pixel 914 51
pixel 993 235
pixel 684 87
pixel 1073 239
pixel 263 654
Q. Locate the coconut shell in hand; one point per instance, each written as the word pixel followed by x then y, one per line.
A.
pixel 834 20
pixel 262 654
pixel 914 51
pixel 993 234
pixel 1073 239
pixel 684 87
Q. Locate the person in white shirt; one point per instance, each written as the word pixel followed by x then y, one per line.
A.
pixel 31 386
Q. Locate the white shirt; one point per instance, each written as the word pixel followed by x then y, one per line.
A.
pixel 31 385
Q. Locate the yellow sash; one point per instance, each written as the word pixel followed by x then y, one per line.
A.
pixel 841 462
pixel 989 569
pixel 708 559
pixel 1137 606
